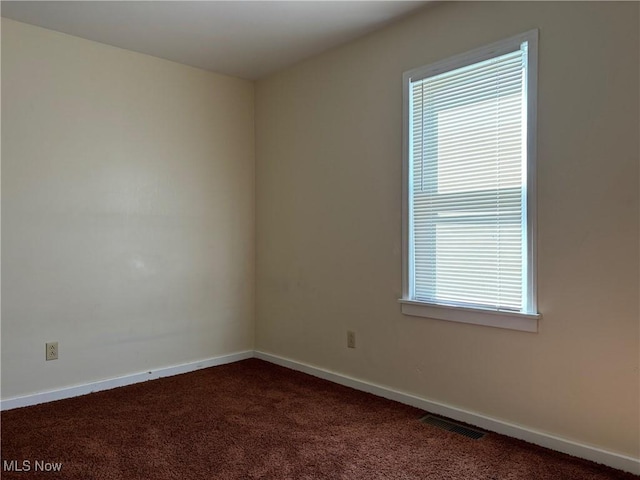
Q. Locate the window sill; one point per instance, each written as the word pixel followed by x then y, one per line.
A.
pixel 510 320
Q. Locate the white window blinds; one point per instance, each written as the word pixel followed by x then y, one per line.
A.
pixel 468 185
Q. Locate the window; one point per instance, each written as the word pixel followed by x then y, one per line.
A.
pixel 469 187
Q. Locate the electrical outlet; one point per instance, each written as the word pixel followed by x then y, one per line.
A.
pixel 351 339
pixel 51 351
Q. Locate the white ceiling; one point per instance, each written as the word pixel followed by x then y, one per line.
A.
pixel 247 39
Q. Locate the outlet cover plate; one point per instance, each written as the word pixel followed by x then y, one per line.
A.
pixel 351 339
pixel 51 351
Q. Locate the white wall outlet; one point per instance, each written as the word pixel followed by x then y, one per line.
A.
pixel 51 351
pixel 351 339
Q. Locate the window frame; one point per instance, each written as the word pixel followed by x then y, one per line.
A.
pixel 528 321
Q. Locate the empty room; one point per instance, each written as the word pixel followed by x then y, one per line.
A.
pixel 320 240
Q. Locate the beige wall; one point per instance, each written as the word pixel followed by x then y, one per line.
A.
pixel 127 211
pixel 328 171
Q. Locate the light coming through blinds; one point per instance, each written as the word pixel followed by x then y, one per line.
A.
pixel 468 185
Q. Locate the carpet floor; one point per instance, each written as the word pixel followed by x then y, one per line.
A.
pixel 255 420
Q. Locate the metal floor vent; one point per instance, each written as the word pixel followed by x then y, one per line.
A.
pixel 452 427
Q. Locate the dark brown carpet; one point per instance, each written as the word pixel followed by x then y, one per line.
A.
pixel 252 420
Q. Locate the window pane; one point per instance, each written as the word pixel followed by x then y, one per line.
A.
pixel 468 160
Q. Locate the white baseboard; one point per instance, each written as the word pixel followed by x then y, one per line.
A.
pixel 615 460
pixel 77 390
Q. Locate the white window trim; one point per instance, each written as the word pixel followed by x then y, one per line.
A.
pixel 491 318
